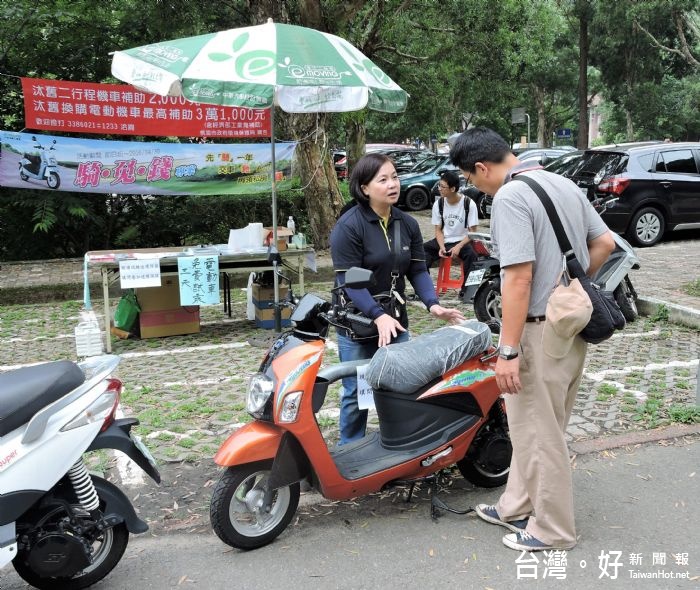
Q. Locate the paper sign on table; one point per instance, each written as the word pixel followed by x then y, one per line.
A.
pixel 199 280
pixel 139 273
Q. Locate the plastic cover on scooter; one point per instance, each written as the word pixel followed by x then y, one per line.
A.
pixel 406 366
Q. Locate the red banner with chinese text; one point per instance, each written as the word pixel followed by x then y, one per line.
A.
pixel 120 109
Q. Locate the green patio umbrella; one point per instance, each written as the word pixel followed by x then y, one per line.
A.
pixel 301 70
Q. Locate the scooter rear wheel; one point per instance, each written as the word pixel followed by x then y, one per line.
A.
pixel 235 506
pixel 487 463
pixel 107 547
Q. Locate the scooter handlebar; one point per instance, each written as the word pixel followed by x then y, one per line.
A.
pixel 360 319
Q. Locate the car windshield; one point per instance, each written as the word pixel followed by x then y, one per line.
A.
pixel 595 166
pixel 565 165
pixel 427 164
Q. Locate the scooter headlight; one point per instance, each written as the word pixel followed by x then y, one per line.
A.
pixel 259 391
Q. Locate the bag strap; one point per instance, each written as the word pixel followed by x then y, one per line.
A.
pixel 396 252
pixel 441 207
pixel 562 238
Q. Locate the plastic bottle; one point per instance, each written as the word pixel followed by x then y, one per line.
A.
pixel 291 226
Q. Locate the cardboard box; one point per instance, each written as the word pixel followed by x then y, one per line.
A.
pixel 262 296
pixel 167 296
pixel 161 313
pixel 265 318
pixel 169 322
pixel 283 235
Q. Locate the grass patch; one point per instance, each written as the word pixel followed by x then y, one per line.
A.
pixel 606 391
pixel 692 288
pixel 660 315
pixel 684 414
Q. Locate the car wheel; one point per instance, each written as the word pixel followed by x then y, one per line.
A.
pixel 647 227
pixel 417 199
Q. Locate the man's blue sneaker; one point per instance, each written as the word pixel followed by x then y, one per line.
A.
pixel 524 541
pixel 490 514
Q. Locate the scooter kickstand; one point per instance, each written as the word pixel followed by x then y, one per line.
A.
pixel 436 504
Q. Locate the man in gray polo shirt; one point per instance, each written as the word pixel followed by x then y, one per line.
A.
pixel 537 504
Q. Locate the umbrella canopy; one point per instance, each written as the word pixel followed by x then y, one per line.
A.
pixel 299 69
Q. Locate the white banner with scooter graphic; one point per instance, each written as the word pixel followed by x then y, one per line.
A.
pixel 128 167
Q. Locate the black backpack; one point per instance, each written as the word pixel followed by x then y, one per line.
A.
pixel 441 206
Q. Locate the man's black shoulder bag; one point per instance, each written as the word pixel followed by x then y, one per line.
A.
pixel 606 317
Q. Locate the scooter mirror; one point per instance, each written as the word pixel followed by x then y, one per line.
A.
pixel 359 278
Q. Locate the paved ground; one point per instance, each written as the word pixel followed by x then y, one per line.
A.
pixel 633 509
pixel 189 391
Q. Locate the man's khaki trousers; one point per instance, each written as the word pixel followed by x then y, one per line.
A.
pixel 539 483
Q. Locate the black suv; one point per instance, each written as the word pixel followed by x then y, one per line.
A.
pixel 643 190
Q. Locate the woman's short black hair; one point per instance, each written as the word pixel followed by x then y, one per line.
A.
pixel 451 177
pixel 363 172
pixel 478 145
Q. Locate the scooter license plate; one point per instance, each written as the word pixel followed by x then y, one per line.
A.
pixel 136 439
pixel 488 209
pixel 475 277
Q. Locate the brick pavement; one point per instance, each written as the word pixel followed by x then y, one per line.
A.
pixel 189 391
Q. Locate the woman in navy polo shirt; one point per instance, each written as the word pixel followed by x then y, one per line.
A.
pixel 364 237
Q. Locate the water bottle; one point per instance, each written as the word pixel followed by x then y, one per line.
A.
pixel 291 227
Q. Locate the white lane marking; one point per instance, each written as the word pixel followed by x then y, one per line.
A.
pixel 601 375
pixel 200 382
pixel 37 338
pixel 654 332
pixel 130 355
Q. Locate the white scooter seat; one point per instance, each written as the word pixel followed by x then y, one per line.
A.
pixel 25 391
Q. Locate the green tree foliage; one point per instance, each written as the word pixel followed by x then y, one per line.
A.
pixel 461 62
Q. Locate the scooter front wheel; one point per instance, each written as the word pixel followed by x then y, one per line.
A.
pixel 487 303
pixel 238 513
pixel 626 298
pixel 53 180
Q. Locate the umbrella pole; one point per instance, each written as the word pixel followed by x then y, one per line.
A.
pixel 278 314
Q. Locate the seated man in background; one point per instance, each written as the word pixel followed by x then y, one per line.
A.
pixel 454 215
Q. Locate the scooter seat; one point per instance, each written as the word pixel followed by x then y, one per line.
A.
pixel 25 391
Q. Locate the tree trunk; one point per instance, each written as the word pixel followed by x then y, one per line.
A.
pixel 582 140
pixel 355 137
pixel 542 139
pixel 318 179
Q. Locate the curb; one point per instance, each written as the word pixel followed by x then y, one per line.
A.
pixel 677 314
pixel 605 443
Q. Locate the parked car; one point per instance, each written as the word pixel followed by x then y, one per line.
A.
pixel 565 165
pixel 644 190
pixel 340 163
pixel 417 183
pixel 541 155
pixel 405 158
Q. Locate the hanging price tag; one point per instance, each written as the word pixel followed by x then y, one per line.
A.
pixel 365 395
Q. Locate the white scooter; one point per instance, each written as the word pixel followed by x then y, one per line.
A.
pixel 42 167
pixel 60 526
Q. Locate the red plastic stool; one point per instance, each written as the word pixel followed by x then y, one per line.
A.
pixel 444 281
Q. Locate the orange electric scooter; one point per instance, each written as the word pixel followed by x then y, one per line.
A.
pixel 455 417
